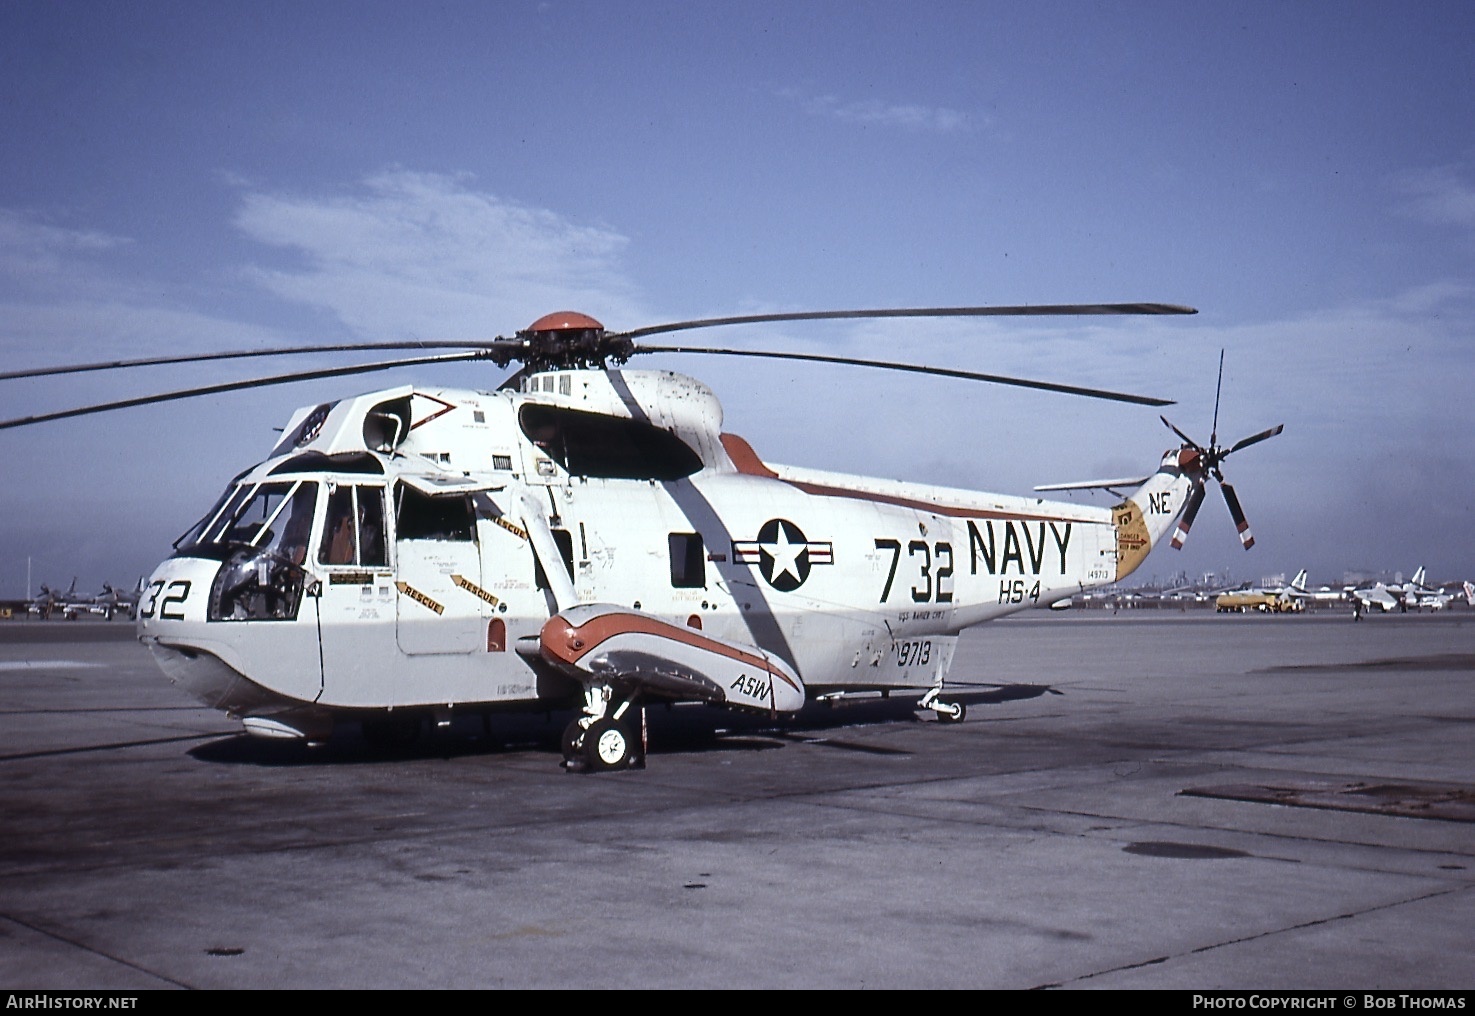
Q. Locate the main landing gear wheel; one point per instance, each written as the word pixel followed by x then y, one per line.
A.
pixel 573 742
pixel 951 712
pixel 607 745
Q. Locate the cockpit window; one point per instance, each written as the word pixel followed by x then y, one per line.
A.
pixel 273 517
pixel 593 444
pixel 278 518
pixel 354 530
pixel 419 516
pixel 231 499
pixel 260 533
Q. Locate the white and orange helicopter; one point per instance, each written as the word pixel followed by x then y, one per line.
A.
pixel 588 537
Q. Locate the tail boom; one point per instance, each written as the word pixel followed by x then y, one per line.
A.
pixel 1153 510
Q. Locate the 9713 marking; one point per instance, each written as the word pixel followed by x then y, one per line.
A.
pixel 915 653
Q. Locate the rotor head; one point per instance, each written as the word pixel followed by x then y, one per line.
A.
pixel 567 339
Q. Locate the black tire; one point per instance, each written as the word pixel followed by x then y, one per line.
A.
pixel 954 713
pixel 573 742
pixel 607 745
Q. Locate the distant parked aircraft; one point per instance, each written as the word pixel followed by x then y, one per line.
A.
pixel 1321 594
pixel 1401 596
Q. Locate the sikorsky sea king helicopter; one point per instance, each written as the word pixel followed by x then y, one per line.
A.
pixel 588 537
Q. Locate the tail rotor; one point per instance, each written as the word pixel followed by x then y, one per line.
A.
pixel 1202 462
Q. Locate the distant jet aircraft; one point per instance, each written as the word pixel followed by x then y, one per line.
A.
pixel 1322 594
pixel 49 601
pixel 1402 596
pixel 112 601
pixel 109 603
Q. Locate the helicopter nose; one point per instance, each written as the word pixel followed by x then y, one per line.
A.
pixel 177 593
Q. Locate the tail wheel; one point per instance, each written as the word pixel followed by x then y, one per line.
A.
pixel 607 745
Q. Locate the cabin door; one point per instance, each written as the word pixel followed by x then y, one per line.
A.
pixel 438 574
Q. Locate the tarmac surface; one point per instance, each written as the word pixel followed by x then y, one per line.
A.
pixel 1178 801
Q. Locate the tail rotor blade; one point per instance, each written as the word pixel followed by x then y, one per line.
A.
pixel 1218 390
pixel 1181 436
pixel 1255 438
pixel 1195 499
pixel 1238 515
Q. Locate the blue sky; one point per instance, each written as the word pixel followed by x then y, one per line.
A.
pixel 187 177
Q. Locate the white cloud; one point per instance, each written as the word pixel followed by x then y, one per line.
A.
pixel 35 253
pixel 24 235
pixel 420 254
pixel 875 112
pixel 1439 195
pixel 64 296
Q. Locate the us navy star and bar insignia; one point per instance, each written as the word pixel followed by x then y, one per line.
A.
pixel 783 554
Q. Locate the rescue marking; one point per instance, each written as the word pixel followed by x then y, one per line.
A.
pixel 419 597
pixel 474 589
pixel 511 527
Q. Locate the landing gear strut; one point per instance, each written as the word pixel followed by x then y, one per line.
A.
pixel 947 712
pixel 603 739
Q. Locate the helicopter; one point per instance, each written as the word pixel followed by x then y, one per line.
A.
pixel 587 537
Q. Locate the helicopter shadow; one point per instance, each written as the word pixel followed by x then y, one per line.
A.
pixel 675 730
pixel 974 694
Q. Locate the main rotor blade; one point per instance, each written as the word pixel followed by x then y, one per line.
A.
pixel 241 354
pixel 1195 499
pixel 1238 515
pixel 1255 438
pixel 1023 310
pixel 235 386
pixel 967 375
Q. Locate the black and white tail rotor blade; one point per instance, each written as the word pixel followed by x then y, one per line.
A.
pixel 1254 439
pixel 1181 436
pixel 1190 512
pixel 1238 515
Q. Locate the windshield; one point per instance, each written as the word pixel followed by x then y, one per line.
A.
pixel 261 536
pixel 274 517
